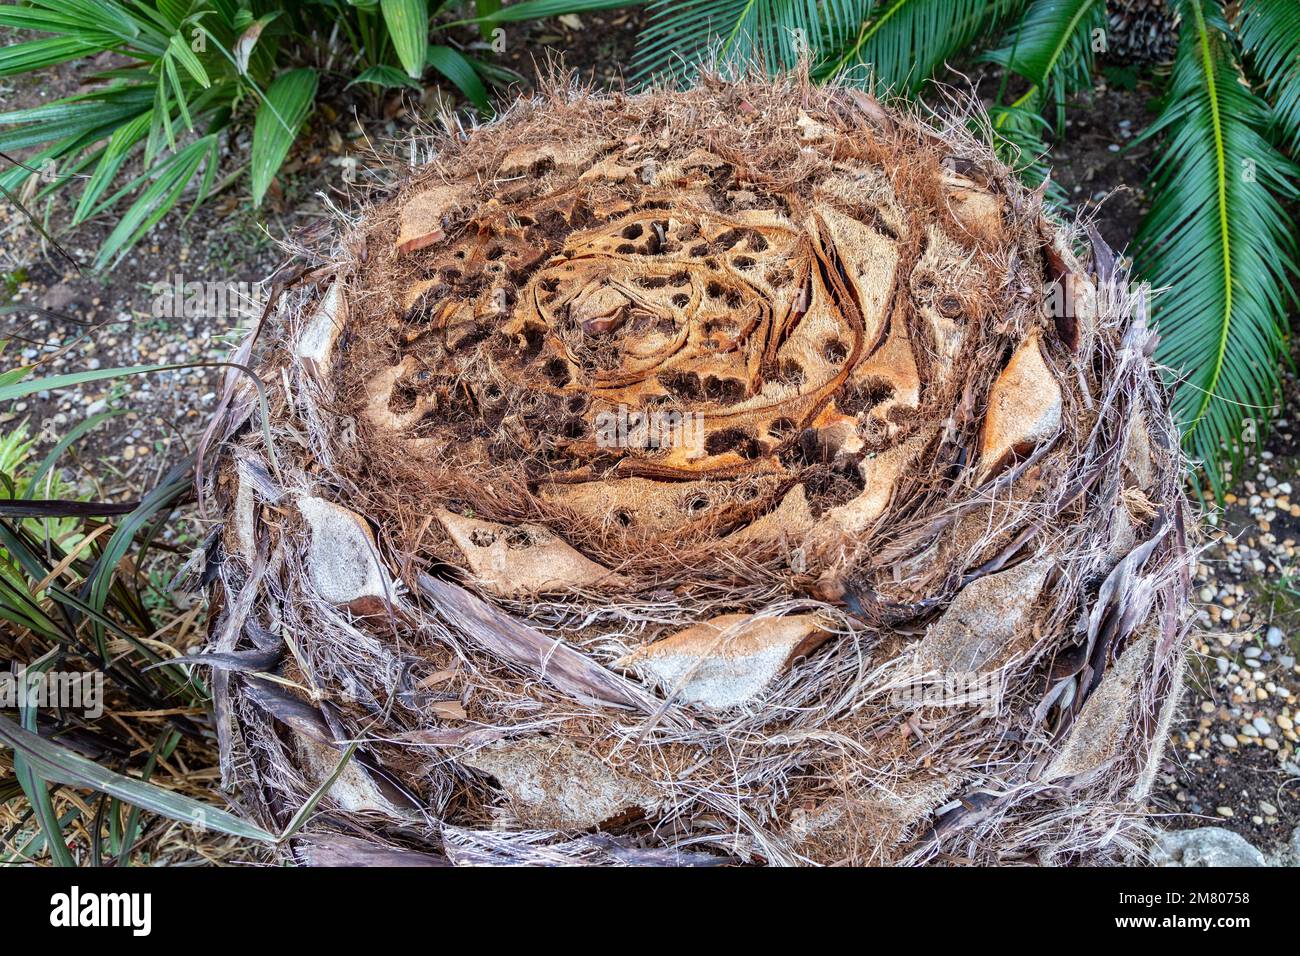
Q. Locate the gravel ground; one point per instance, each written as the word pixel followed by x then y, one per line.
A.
pixel 1231 759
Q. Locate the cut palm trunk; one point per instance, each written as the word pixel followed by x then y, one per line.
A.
pixel 748 474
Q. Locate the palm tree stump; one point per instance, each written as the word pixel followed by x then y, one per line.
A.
pixel 750 474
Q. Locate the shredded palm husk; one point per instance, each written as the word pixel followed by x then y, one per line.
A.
pixel 892 568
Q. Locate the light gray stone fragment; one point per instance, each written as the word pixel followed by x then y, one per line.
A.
pixel 1205 846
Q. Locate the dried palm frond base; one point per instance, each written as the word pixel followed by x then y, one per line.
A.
pixel 745 474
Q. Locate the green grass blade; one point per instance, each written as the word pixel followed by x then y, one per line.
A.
pixel 70 438
pixel 163 747
pixel 305 811
pixel 34 782
pixel 57 763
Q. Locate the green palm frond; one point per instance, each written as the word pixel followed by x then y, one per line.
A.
pixel 1018 134
pixel 899 43
pixel 776 33
pixel 1270 34
pixel 1218 240
pixel 903 43
pixel 1052 47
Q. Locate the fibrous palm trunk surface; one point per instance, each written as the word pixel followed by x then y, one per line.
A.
pixel 749 473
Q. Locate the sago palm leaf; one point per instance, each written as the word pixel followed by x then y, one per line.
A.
pixel 1218 240
pixel 681 33
pixel 1270 34
pixel 1051 46
pixel 903 43
pixel 1018 134
pixel 899 43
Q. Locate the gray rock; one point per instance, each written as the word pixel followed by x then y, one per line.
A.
pixel 1205 846
pixel 1288 855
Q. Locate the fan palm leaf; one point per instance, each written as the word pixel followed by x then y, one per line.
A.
pixel 1218 240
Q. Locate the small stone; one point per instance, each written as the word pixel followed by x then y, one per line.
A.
pixel 1224 811
pixel 1267 808
pixel 1228 740
pixel 1262 725
pixel 1205 846
pixel 1274 636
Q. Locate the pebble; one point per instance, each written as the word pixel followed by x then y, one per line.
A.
pixel 1228 740
pixel 1274 636
pixel 1224 811
pixel 1267 808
